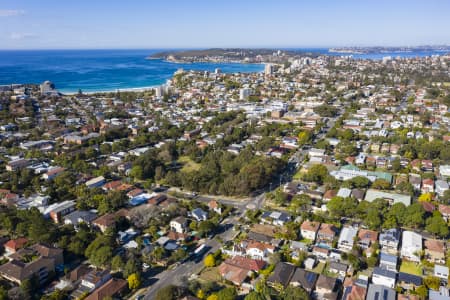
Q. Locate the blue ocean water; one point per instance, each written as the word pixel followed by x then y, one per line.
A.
pixel 98 70
pixel 110 70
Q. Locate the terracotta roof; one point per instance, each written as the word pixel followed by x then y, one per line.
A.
pixel 233 273
pixel 357 293
pixel 110 288
pixel 330 194
pixel 259 245
pixel 246 263
pixel 435 245
pixel 428 181
pixel 112 185
pixel 365 234
pixel 444 209
pixel 327 229
pixel 213 204
pixel 16 244
pixel 310 226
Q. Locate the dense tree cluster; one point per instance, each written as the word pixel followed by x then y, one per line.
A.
pixel 224 173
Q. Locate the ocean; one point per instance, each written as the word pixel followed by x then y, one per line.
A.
pixel 112 70
pixel 98 70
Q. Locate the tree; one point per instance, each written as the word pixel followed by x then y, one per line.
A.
pixel 228 293
pixel 381 184
pixel 117 263
pixel 295 293
pixel 209 261
pixel 373 218
pixel 304 137
pixel 100 251
pixel 316 173
pixel 432 282
pixel 422 292
pixel 213 297
pixel 254 296
pixel 426 197
pixel 414 215
pixel 134 281
pixel 360 182
pixel 437 226
pixel 396 165
pixel 169 292
pixel 3 293
pixel 205 227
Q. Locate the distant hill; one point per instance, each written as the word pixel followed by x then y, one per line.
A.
pixel 225 55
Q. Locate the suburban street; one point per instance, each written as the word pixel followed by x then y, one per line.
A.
pixel 176 274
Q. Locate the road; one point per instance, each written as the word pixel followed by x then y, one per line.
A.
pixel 187 269
pixel 175 275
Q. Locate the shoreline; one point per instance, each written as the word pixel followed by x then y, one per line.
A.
pixel 134 89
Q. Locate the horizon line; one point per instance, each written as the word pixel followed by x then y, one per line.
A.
pixel 226 47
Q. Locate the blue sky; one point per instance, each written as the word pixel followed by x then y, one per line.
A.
pixel 56 24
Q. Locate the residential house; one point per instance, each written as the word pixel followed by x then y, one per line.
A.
pixel 90 282
pixel 105 222
pixel 445 211
pixel 309 230
pixel 409 281
pixel 53 173
pixel 275 218
pixel 392 198
pixel 113 287
pixel 321 253
pixel 327 288
pixel 179 224
pixel 389 240
pixel 366 238
pixel 326 234
pixel 12 246
pixel 338 268
pixel 57 211
pixel 411 246
pixel 441 187
pixel 416 181
pixel 281 275
pixel 215 206
pixel 258 250
pixel 381 292
pixel 305 279
pixel 442 294
pixel 388 261
pixel 18 164
pixel 237 269
pixel 384 277
pixel 435 251
pixel 20 268
pixel 441 272
pixel 354 292
pixel 80 216
pixel 344 192
pixel 199 214
pixel 346 238
pixel 427 185
pixel 309 263
pixel 95 182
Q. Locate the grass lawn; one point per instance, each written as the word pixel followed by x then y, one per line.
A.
pixel 188 164
pixel 319 268
pixel 299 174
pixel 411 268
pixel 211 274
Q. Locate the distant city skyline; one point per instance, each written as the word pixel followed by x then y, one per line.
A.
pixel 100 24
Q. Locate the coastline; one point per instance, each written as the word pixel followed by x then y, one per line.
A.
pixel 133 89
